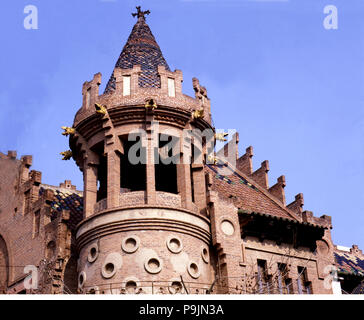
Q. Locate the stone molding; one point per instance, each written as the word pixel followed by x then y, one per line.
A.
pixel 142 218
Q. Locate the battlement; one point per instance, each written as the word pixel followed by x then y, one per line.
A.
pixel 245 162
pixel 354 250
pixel 29 182
pixel 259 177
pixel 67 184
pixel 127 92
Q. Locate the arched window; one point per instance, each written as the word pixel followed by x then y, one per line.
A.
pixel 70 277
pixel 132 176
pixel 50 250
pixel 165 165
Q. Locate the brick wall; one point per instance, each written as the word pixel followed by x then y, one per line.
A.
pixel 25 236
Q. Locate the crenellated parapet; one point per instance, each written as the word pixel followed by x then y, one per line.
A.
pixel 128 93
pixel 261 174
pixel 297 205
pixel 90 91
pixel 245 162
pixel 324 220
pixel 356 251
pixel 277 189
pixel 259 178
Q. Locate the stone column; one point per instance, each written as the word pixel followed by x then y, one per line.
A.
pixel 89 189
pixel 164 79
pixel 150 172
pixel 113 179
pixel 134 80
pixel 184 183
pixel 199 187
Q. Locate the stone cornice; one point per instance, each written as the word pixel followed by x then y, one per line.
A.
pixel 142 218
pixel 121 115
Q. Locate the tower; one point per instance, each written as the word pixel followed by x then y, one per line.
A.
pixel 146 226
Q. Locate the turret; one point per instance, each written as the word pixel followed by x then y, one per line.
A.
pixel 145 226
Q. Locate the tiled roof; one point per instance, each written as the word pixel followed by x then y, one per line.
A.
pixel 228 180
pixel 67 200
pixel 141 49
pixel 349 263
pixel 246 195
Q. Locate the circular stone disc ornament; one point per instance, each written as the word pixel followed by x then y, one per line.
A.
pixel 174 244
pixel 81 279
pixel 193 270
pixel 227 227
pixel 153 265
pixel 205 255
pixel 112 263
pixel 93 253
pixel 130 244
pixel 108 270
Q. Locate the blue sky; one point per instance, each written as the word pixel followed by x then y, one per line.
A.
pixel 292 89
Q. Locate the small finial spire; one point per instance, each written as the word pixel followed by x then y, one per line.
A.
pixel 141 14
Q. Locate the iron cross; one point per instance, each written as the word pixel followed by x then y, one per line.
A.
pixel 141 14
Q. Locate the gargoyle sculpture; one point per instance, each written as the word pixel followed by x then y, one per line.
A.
pixel 221 136
pixel 150 104
pixel 212 159
pixel 68 131
pixel 197 114
pixel 66 155
pixel 100 109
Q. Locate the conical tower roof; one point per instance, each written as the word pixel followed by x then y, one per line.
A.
pixel 141 49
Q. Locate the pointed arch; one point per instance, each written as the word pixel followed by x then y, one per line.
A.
pixel 70 276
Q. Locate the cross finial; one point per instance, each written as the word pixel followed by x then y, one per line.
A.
pixel 141 14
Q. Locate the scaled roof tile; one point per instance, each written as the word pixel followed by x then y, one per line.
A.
pixel 141 49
